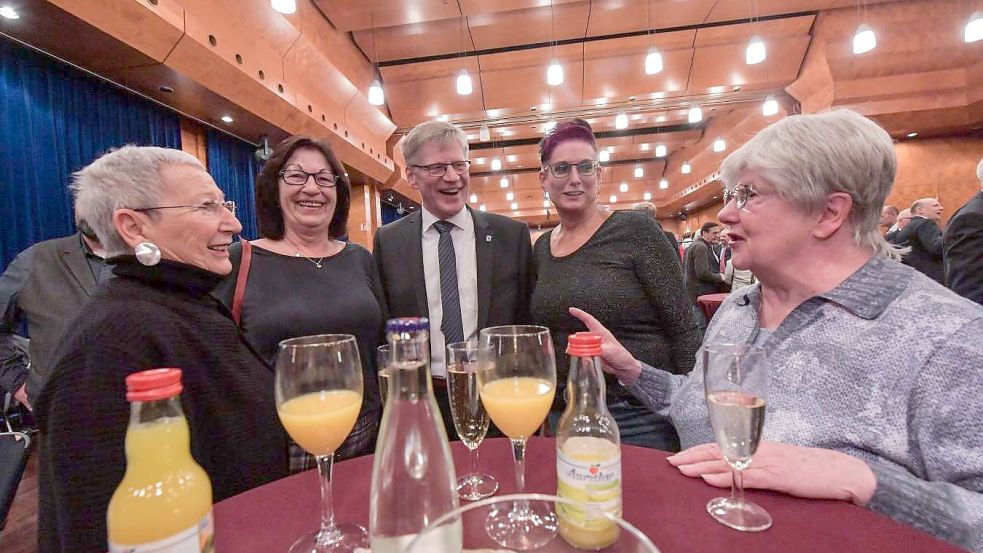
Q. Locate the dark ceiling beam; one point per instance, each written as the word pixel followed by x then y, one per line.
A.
pixel 581 40
pixel 504 172
pixel 602 134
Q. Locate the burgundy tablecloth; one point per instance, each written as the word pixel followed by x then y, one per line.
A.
pixel 710 302
pixel 669 507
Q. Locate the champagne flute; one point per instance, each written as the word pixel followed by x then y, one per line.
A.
pixel 516 382
pixel 470 418
pixel 736 384
pixel 382 371
pixel 318 398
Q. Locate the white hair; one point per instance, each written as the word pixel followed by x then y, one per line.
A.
pixel 808 157
pixel 127 177
pixel 432 131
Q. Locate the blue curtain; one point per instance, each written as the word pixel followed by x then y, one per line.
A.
pixel 55 120
pixel 233 165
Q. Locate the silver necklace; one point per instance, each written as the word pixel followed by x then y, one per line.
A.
pixel 316 263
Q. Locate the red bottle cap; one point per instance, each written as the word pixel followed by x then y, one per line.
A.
pixel 153 385
pixel 584 344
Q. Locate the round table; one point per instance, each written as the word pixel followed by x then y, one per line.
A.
pixel 669 507
pixel 710 302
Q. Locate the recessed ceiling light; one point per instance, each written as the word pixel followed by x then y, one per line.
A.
pixel 912 134
pixel 9 13
pixel 377 96
pixel 482 207
pixel 514 206
pixel 227 118
pixel 647 196
pixel 474 198
pixel 284 6
pixel 603 156
pixel 612 199
pixel 503 182
pixel 442 118
pixel 496 164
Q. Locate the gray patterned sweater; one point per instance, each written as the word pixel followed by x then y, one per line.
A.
pixel 887 367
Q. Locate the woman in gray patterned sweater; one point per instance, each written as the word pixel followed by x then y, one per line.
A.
pixel 877 371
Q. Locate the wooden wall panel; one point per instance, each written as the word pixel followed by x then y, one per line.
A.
pixel 944 168
pixel 194 139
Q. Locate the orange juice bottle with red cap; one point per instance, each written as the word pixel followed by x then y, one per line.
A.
pixel 164 502
pixel 588 452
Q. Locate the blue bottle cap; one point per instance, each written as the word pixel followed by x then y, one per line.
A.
pixel 408 324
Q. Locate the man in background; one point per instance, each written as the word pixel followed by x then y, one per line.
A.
pixel 652 211
pixel 698 267
pixel 43 288
pixel 963 247
pixel 923 235
pixel 904 217
pixel 889 218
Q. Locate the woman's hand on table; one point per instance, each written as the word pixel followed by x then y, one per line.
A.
pixel 800 471
pixel 614 357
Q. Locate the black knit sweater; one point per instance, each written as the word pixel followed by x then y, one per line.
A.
pixel 149 317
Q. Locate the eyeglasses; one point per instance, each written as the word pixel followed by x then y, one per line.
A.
pixel 562 169
pixel 440 169
pixel 297 177
pixel 742 193
pixel 210 209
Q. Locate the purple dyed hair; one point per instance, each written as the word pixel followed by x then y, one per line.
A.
pixel 575 129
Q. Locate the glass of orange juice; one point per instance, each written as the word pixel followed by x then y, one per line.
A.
pixel 516 383
pixel 318 398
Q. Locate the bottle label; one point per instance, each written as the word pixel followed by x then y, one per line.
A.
pixel 593 483
pixel 200 538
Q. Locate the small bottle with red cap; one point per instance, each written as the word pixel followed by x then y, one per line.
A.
pixel 588 451
pixel 164 502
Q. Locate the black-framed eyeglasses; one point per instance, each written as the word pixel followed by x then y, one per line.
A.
pixel 296 177
pixel 742 193
pixel 440 169
pixel 208 208
pixel 561 170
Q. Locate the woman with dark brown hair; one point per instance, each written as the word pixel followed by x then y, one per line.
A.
pixel 302 278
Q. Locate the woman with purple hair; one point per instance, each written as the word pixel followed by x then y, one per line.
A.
pixel 619 267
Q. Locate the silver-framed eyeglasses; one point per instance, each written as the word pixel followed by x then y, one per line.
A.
pixel 562 169
pixel 208 208
pixel 296 177
pixel 440 169
pixel 742 193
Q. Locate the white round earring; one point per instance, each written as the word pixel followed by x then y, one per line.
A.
pixel 147 253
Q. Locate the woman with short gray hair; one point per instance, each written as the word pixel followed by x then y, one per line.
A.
pixel 167 229
pixel 873 396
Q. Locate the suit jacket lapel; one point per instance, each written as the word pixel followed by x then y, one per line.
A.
pixel 74 258
pixel 483 249
pixel 415 252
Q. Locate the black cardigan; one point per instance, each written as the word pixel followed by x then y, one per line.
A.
pixel 149 317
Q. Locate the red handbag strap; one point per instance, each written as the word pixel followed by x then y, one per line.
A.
pixel 241 278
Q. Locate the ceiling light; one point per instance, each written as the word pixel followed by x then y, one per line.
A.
pixel 695 114
pixel 509 197
pixel 974 29
pixel 645 147
pixel 481 207
pixel 755 52
pixel 550 125
pixel 621 121
pixel 484 134
pixel 660 150
pixel 647 196
pixel 442 118
pixel 464 82
pixel 612 199
pixel 554 75
pixel 653 61
pixel 376 96
pixel 9 13
pixel 864 39
pixel 639 173
pixel 663 184
pixel 719 145
pixel 504 182
pixel 912 135
pixel 685 169
pixel 474 198
pixel 227 118
pixel 514 206
pixel 623 187
pixel 496 164
pixel 546 203
pixel 770 107
pixel 284 6
pixel 604 156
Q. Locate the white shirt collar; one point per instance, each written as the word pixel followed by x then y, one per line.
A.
pixel 462 220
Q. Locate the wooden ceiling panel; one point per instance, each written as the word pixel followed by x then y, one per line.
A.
pixel 621 16
pixel 412 102
pixel 529 26
pixel 731 10
pixel 444 36
pixel 475 7
pixel 501 86
pixel 723 66
pixel 353 15
pixel 617 78
pixel 639 44
pixel 741 34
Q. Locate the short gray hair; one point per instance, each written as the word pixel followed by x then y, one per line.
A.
pixel 432 131
pixel 646 207
pixel 127 177
pixel 807 157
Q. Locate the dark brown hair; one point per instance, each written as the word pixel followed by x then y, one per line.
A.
pixel 269 213
pixel 574 129
pixel 708 226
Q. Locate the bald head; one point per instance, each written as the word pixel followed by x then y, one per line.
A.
pixel 904 216
pixel 929 208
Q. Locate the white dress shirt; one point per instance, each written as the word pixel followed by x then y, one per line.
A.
pixel 467 281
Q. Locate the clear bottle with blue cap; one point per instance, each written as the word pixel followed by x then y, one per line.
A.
pixel 413 477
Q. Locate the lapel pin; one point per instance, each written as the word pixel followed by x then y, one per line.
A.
pixel 488 238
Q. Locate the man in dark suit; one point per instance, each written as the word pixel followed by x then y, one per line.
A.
pixel 44 287
pixel 464 269
pixel 923 235
pixel 963 245
pixel 701 267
